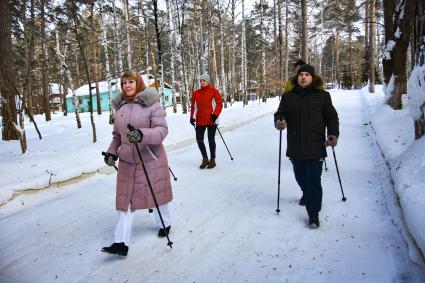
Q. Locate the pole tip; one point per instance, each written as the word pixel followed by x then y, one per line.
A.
pixel 344 199
pixel 175 179
pixel 277 211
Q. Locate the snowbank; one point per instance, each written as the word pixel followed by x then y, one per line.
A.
pixel 405 156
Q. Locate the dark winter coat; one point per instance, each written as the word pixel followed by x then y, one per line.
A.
pixel 145 113
pixel 308 113
pixel 205 101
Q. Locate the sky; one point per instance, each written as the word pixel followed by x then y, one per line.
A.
pixel 224 224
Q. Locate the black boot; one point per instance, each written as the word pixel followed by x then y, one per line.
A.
pixel 313 221
pixel 164 232
pixel 212 163
pixel 204 163
pixel 302 201
pixel 116 249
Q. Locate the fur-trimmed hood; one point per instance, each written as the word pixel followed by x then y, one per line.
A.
pixel 146 97
pixel 317 82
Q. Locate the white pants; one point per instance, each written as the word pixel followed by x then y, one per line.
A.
pixel 125 221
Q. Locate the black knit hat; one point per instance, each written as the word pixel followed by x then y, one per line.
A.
pixel 306 68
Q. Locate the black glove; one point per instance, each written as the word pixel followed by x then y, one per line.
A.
pixel 135 136
pixel 192 121
pixel 213 117
pixel 110 159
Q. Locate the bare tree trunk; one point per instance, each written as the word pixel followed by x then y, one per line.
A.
pixel 233 86
pixel 23 136
pixel 28 87
pixel 204 38
pixel 286 40
pixel 127 29
pixel 366 25
pixel 7 75
pixel 107 65
pixel 387 61
pixel 117 37
pixel 304 36
pixel 77 36
pixel 418 54
pixel 372 47
pixel 65 93
pixel 95 65
pixel 337 68
pixel 350 46
pixel 321 40
pixel 279 13
pixel 173 52
pixel 159 48
pixel 181 58
pixel 223 81
pixel 243 61
pixel 44 65
pixel 399 54
pixel 263 84
pixel 65 70
pixel 214 57
pixel 77 69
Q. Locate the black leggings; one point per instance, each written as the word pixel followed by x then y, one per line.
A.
pixel 200 132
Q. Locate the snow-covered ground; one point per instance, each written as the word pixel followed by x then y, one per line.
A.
pixel 225 228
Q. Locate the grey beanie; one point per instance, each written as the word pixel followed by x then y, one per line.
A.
pixel 306 68
pixel 205 77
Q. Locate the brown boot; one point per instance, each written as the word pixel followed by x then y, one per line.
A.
pixel 212 163
pixel 204 163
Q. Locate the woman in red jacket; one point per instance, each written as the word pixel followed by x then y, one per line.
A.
pixel 206 107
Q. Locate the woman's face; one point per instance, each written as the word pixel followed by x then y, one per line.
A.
pixel 203 83
pixel 129 87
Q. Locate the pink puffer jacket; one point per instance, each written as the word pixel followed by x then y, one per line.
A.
pixel 146 114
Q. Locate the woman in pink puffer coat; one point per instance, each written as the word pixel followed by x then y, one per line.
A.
pixel 138 106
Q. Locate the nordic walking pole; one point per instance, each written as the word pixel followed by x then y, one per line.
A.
pixel 131 128
pixel 216 126
pixel 339 177
pixel 278 175
pixel 175 179
pixel 326 166
pixel 104 153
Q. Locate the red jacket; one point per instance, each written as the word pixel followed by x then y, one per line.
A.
pixel 206 101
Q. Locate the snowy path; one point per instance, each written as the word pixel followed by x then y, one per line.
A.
pixel 225 228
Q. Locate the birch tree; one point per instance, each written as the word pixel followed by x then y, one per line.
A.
pixel 117 39
pixel 180 16
pixel 65 69
pixel 223 81
pixel 173 51
pixel 104 43
pixel 127 30
pixel 243 61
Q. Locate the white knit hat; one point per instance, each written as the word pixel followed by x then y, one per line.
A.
pixel 205 77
